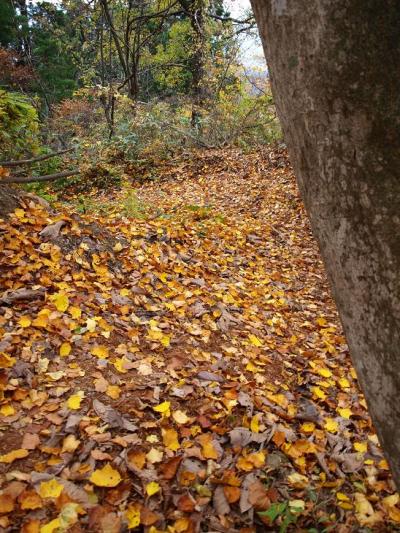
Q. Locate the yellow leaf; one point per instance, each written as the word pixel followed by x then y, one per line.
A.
pixel 250 367
pixel 298 481
pixel 74 401
pixel 180 417
pixel 152 488
pixel 394 514
pixel 361 447
pixel 91 324
pixel 319 393
pixel 19 213
pixel 154 456
pixel 165 340
pixel 208 449
pixel 100 351
pixel 51 526
pixel 6 361
pixel 324 372
pixel 113 391
pixel 157 335
pixel 255 341
pixel 65 349
pixel 254 424
pixel 249 462
pixel 170 438
pixel 117 247
pixel 7 410
pixel 297 506
pixel 14 455
pixel 321 321
pixel 25 322
pixel 50 489
pixel 132 515
pixel 124 292
pixel 392 500
pixel 344 383
pixel 41 321
pixel 163 408
pixel 61 301
pixel 257 458
pixel 119 365
pixel 138 458
pixel 75 312
pixel 106 477
pixel 279 399
pixel 345 412
pixel 331 425
pixel 181 525
pixel 308 427
pixel 70 444
pixel 342 497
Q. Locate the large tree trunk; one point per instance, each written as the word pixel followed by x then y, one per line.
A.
pixel 335 75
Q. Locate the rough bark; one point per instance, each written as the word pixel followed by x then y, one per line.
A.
pixel 334 70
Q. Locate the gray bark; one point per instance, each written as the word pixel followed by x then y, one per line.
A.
pixel 334 70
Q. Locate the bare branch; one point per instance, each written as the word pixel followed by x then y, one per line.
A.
pixel 33 159
pixel 48 177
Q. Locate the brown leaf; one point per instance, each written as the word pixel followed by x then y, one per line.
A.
pixel 244 503
pixel 220 502
pixel 232 494
pixel 30 441
pixel 109 415
pixel 186 503
pixel 32 526
pixel 148 517
pixel 30 499
pixel 258 496
pixel 168 469
pixel 6 503
pixel 98 455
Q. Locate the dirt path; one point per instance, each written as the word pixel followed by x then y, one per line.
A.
pixel 182 372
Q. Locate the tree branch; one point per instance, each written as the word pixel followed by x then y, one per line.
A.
pixel 33 159
pixel 48 177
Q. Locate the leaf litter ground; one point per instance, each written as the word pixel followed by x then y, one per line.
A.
pixel 184 370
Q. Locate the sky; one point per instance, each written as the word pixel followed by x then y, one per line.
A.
pixel 251 50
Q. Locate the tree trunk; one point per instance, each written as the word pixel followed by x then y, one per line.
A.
pixel 198 63
pixel 335 75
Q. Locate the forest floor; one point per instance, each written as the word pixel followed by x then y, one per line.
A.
pixel 182 370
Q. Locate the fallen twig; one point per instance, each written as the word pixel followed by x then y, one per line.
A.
pixel 48 177
pixel 34 159
pixel 10 296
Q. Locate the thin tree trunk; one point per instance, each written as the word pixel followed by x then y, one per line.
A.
pixel 335 76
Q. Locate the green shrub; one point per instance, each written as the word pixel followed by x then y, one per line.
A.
pixel 19 127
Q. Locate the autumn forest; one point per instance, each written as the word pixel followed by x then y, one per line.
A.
pixel 171 355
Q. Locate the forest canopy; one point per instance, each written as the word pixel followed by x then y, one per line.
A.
pixel 139 77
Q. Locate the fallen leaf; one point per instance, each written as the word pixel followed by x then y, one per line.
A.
pixel 65 349
pixel 30 441
pixel 170 439
pixel 132 515
pixel 50 489
pixel 13 456
pixel 152 488
pixel 61 301
pixel 74 401
pixel 180 417
pixel 70 444
pixel 106 477
pixel 154 456
pixel 163 408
